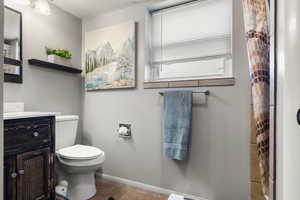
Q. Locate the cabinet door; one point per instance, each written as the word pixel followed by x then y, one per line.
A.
pixel 34 182
pixel 10 178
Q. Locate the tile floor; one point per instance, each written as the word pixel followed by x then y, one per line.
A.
pixel 106 189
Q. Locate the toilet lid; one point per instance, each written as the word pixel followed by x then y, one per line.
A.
pixel 80 152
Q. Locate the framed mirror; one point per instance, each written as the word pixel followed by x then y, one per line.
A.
pixel 12 50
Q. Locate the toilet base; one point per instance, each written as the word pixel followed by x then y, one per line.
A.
pixel 81 186
pixel 80 176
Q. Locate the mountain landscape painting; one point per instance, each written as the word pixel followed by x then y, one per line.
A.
pixel 110 57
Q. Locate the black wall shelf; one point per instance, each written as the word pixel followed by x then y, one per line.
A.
pixel 41 63
pixel 13 78
pixel 11 61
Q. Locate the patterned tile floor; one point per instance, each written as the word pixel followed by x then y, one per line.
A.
pixel 106 189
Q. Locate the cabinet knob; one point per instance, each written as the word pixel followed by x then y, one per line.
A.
pixel 298 116
pixel 36 134
pixel 21 172
pixel 14 175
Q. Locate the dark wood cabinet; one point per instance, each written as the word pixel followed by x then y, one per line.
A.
pixel 29 159
pixel 10 179
pixel 34 180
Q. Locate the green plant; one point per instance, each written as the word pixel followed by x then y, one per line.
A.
pixel 59 52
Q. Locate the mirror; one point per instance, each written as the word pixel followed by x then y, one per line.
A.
pixel 12 50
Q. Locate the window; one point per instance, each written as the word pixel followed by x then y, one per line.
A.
pixel 191 41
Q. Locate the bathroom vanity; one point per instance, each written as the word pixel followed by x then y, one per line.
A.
pixel 29 141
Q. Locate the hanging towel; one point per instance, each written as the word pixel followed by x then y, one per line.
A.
pixel 177 123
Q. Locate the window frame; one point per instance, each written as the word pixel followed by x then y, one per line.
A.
pixel 152 73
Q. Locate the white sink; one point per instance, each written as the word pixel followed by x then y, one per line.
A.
pixel 19 115
pixel 15 110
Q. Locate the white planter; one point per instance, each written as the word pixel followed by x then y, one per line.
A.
pixel 59 60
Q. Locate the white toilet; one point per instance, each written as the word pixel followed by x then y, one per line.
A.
pixel 77 164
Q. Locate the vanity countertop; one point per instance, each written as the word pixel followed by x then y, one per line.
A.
pixel 21 115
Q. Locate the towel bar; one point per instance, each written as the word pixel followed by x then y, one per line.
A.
pixel 207 92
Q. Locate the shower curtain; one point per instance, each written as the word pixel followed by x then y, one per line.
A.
pixel 256 18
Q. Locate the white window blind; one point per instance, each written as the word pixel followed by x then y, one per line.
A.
pixel 192 41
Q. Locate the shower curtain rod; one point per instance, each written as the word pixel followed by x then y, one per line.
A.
pixel 207 92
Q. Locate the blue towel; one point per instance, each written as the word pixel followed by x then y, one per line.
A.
pixel 177 123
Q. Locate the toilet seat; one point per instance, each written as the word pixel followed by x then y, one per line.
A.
pixel 85 164
pixel 80 156
pixel 80 152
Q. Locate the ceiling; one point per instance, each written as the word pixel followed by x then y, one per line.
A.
pixel 89 8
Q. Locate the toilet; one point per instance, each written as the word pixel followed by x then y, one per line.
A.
pixel 76 164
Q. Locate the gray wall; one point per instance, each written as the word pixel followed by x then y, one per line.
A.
pixel 45 89
pixel 219 165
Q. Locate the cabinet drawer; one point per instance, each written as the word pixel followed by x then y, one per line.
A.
pixel 27 133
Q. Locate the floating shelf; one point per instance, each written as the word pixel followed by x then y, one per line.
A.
pixel 41 63
pixel 13 78
pixel 11 61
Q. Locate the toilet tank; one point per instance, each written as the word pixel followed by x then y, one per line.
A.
pixel 65 130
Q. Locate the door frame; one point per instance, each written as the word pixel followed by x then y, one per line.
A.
pixel 273 95
pixel 1 98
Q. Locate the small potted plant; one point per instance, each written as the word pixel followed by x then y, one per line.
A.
pixel 59 56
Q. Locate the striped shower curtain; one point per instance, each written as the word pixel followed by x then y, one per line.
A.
pixel 256 18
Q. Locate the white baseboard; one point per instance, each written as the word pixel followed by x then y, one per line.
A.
pixel 146 186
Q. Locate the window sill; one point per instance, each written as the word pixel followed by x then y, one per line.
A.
pixel 190 83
